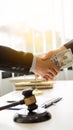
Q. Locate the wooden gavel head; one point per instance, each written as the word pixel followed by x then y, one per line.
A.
pixel 29 99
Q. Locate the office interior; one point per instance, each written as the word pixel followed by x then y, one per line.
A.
pixel 37 26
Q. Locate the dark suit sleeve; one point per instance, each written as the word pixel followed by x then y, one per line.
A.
pixel 15 61
pixel 69 45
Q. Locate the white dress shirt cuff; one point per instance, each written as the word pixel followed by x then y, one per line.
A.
pixel 33 64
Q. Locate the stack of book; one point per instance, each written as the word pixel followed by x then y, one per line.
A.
pixel 33 83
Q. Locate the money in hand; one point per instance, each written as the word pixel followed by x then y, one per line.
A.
pixel 63 59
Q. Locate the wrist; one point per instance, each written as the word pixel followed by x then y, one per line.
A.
pixel 62 48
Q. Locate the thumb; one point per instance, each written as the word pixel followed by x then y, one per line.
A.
pixel 36 76
pixel 48 55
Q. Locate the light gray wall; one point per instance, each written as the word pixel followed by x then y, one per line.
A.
pixel 5 86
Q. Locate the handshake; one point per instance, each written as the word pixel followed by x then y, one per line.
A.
pixel 50 64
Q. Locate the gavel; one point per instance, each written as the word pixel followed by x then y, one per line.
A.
pixel 32 116
pixel 29 100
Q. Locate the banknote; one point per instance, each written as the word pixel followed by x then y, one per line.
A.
pixel 63 59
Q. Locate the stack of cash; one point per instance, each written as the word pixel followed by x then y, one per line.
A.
pixel 63 59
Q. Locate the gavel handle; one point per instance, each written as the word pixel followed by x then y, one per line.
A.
pixel 12 104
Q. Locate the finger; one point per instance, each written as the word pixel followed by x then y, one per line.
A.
pixel 51 72
pixel 36 75
pixel 48 55
pixel 56 69
pixel 47 78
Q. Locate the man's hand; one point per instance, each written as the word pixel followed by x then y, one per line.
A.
pixel 45 67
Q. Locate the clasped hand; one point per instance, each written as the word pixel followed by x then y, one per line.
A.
pixel 45 67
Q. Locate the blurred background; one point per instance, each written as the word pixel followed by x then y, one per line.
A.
pixel 35 26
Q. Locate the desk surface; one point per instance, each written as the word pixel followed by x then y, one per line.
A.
pixel 62 112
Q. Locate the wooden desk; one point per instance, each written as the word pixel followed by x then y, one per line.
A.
pixel 62 112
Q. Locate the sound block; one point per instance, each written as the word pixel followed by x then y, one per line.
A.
pixel 32 117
